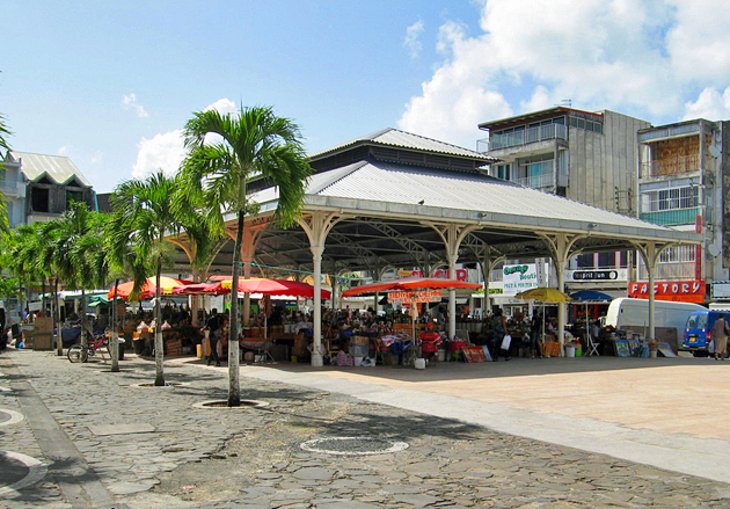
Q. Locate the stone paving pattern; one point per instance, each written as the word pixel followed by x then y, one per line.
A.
pixel 251 457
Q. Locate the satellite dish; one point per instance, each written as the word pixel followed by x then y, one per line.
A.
pixel 715 151
pixel 714 250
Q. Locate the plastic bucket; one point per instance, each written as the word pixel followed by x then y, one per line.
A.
pixel 419 363
pixel 357 361
pixel 570 350
pixel 442 355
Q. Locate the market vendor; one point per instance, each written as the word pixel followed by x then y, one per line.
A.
pixel 430 341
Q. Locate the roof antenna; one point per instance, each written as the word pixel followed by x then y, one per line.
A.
pixel 568 103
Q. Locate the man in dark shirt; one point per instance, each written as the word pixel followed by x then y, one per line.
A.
pixel 214 324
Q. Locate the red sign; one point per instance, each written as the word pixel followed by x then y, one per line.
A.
pixel 680 291
pixel 415 297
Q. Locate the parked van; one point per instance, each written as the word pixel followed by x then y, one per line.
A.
pixel 670 318
pixel 698 331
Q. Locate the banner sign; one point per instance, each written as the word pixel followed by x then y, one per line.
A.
pixel 415 297
pixel 521 277
pixel 684 291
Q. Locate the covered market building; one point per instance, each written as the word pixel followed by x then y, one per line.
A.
pixel 395 199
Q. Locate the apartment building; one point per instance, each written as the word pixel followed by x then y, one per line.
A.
pixel 586 156
pixel 680 184
pixel 40 187
pixel 12 187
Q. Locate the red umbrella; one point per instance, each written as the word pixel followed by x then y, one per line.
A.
pixel 200 289
pixel 271 287
pixel 411 284
pixel 276 287
pixel 148 289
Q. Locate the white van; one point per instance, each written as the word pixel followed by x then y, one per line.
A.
pixel 669 317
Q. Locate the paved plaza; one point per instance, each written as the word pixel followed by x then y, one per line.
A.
pixel 563 433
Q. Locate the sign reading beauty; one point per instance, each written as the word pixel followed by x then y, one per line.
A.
pixel 684 291
pixel 415 297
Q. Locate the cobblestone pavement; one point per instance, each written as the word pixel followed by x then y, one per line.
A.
pixel 127 446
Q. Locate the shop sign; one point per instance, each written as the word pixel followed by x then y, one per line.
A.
pixel 518 278
pixel 687 291
pixel 414 297
pixel 597 275
pixel 721 290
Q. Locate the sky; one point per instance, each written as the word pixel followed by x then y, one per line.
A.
pixel 111 84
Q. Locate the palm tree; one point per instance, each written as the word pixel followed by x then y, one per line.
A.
pixel 253 142
pixel 146 213
pixel 4 223
pixel 69 259
pixel 123 263
pixel 95 258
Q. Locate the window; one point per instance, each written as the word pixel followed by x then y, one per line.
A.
pixel 39 199
pixel 587 124
pixel 503 171
pixel 607 259
pixel 679 254
pixel 585 261
pixel 670 199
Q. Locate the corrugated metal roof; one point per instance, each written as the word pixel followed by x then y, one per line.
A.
pixel 427 187
pixel 402 139
pixel 59 169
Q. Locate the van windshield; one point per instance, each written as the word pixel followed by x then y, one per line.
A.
pixel 702 321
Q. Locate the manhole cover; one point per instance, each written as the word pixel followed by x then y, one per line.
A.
pixel 353 446
pixel 19 471
pixel 12 417
pixel 222 403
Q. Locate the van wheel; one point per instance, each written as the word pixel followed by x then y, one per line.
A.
pixel 700 353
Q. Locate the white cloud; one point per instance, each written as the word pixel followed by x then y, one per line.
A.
pixel 639 58
pixel 710 104
pixel 64 150
pixel 412 39
pixel 222 106
pixel 130 103
pixel 164 151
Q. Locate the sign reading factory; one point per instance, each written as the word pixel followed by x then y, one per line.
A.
pixel 684 291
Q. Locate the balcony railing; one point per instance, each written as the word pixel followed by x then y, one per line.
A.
pixel 541 181
pixel 523 137
pixel 670 166
pixel 671 217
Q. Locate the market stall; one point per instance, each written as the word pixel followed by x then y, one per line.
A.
pixel 408 293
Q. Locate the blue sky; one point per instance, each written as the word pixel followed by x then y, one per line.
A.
pixel 110 84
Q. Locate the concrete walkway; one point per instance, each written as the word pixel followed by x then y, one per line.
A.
pixel 669 413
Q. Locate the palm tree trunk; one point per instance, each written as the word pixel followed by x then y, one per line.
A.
pixel 114 346
pixel 234 386
pixel 84 339
pixel 56 314
pixel 43 295
pixel 159 344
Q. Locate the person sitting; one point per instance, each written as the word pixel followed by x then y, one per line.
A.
pixel 430 341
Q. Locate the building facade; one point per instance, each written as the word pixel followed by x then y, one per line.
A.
pixel 585 156
pixel 680 184
pixel 41 187
pixel 12 187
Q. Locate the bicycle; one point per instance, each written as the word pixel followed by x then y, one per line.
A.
pixel 81 353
